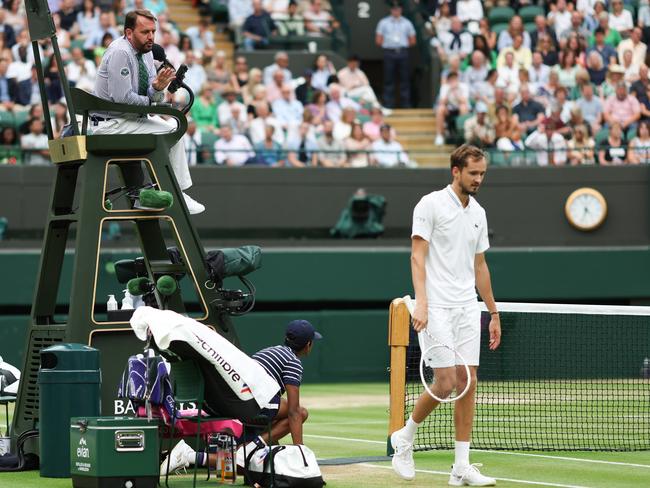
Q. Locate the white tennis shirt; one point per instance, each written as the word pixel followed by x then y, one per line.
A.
pixel 455 235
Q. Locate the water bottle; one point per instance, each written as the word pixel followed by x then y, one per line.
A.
pixel 645 369
pixel 228 472
pixel 111 305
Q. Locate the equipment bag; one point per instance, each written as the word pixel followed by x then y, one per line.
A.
pixel 293 466
pixel 145 381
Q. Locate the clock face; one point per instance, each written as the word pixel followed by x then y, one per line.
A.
pixel 586 209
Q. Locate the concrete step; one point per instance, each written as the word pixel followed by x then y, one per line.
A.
pixel 421 125
pixel 436 158
pixel 411 112
pixel 416 137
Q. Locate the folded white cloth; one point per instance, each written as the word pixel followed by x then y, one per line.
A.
pixel 245 376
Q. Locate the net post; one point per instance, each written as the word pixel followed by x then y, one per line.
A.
pixel 398 341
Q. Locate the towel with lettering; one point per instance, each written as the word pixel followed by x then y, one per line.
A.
pixel 245 376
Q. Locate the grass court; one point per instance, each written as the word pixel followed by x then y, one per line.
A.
pixel 350 420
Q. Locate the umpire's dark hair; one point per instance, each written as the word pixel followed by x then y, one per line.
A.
pixel 132 17
pixel 463 154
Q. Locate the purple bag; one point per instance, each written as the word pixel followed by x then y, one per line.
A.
pixel 145 381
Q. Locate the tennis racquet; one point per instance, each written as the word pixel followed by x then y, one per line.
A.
pixel 427 373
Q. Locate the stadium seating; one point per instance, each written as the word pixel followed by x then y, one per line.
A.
pixel 529 13
pixel 499 15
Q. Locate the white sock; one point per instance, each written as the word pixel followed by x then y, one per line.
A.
pixel 191 457
pixel 410 428
pixel 462 453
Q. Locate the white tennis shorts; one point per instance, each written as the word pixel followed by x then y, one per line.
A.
pixel 459 328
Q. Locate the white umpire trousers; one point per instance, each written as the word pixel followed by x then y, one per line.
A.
pixel 153 124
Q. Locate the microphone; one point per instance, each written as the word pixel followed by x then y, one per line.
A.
pixel 139 286
pixel 166 285
pixel 159 55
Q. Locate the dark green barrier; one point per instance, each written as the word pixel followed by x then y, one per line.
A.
pixel 378 275
pixel 354 347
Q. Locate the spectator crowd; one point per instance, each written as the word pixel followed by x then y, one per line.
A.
pixel 546 83
pixel 271 116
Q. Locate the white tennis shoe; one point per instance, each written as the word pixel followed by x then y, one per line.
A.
pixel 403 463
pixel 178 458
pixel 469 476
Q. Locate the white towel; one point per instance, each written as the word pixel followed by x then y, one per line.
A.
pixel 245 376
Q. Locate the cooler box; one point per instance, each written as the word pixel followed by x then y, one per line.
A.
pixel 114 452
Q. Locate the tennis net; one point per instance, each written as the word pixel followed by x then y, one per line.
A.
pixel 566 377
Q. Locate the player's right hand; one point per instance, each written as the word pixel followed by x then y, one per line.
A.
pixel 420 317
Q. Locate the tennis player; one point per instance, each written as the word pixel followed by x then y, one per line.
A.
pixel 449 239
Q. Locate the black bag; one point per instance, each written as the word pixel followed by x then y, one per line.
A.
pixel 20 461
pixel 294 466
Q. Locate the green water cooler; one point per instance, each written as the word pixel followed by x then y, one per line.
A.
pixel 114 452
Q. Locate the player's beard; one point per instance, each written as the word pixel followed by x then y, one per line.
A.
pixel 469 190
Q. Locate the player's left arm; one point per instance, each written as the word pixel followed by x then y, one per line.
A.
pixel 294 415
pixel 484 286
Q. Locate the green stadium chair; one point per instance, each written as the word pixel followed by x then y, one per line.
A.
pixel 219 11
pixel 530 27
pixel 363 118
pixel 498 15
pixel 529 13
pixel 76 43
pixel 20 118
pixel 7 119
pixel 630 134
pixel 498 28
pixel 460 124
pixel 497 158
pixel 601 136
pixel 208 138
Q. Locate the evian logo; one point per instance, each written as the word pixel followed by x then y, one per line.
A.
pixel 82 449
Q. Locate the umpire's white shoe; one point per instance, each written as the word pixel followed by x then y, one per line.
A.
pixel 469 476
pixel 403 456
pixel 178 458
pixel 193 206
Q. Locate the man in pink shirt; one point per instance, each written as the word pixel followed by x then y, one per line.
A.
pixel 622 108
pixel 355 82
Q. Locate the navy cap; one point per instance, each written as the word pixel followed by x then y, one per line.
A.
pixel 300 332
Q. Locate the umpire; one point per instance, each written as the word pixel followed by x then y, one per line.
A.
pixel 127 75
pixel 395 34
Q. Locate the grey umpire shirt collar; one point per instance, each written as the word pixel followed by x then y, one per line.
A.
pixel 118 76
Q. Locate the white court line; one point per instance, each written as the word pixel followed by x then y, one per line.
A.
pixel 546 456
pixel 597 461
pixel 525 482
pixel 361 422
pixel 332 438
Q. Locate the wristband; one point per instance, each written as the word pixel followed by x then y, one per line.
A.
pixel 494 313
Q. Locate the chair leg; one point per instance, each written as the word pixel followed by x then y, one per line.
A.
pixel 207 455
pixel 198 443
pixel 171 441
